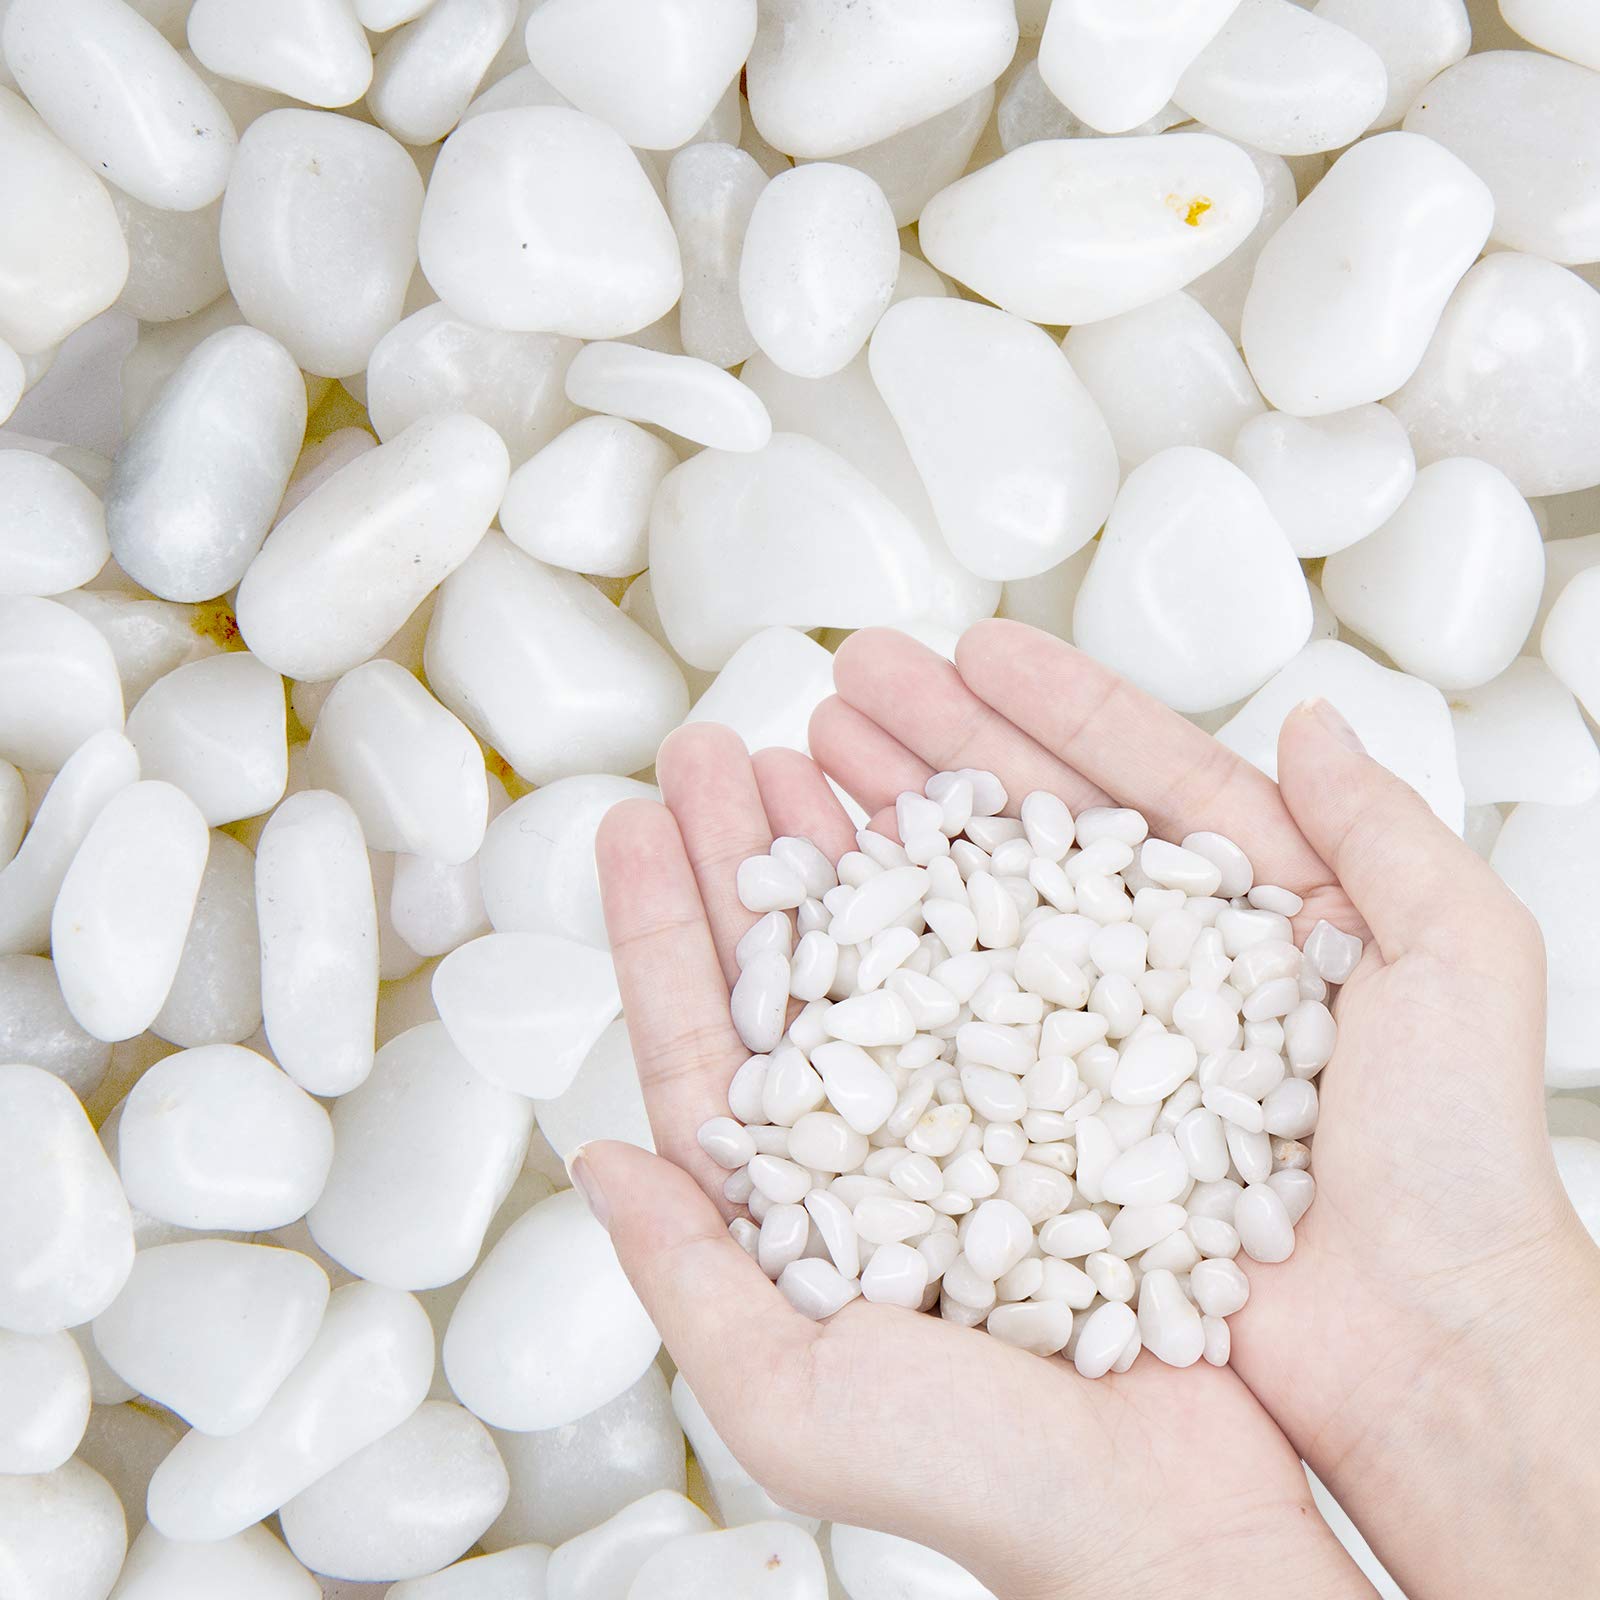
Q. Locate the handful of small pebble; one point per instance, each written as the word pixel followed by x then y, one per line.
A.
pixel 1049 1076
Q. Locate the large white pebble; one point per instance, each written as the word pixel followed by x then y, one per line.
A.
pixel 879 1566
pixel 1567 640
pixel 542 667
pixel 67 1246
pixel 58 683
pixel 218 1138
pixel 119 924
pixel 1349 290
pixel 52 527
pixel 309 188
pixel 318 924
pixel 1448 587
pixel 604 1102
pixel 215 996
pixel 311 50
pixel 1403 722
pixel 654 70
pixel 252 1565
pixel 410 770
pixel 1015 455
pixel 1415 42
pixel 216 729
pixel 1285 80
pixel 512 1574
pixel 688 396
pixel 549 1327
pixel 437 361
pixel 44 1401
pixel 583 502
pixel 761 1560
pixel 211 1328
pixel 567 1479
pixel 62 255
pixel 424 1153
pixel 711 191
pixel 538 858
pixel 1194 592
pixel 1521 736
pixel 101 766
pixel 63 1534
pixel 791 535
pixel 340 574
pixel 768 690
pixel 820 260
pixel 1074 230
pixel 1328 480
pixel 1550 857
pixel 601 1563
pixel 1164 374
pixel 1567 28
pixel 846 415
pixel 1512 376
pixel 366 1372
pixel 122 98
pixel 540 219
pixel 426 72
pixel 1529 126
pixel 36 1027
pixel 196 485
pixel 526 1008
pixel 829 76
pixel 1115 63
pixel 406 1505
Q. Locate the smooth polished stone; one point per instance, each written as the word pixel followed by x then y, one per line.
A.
pixel 1194 591
pixel 1071 231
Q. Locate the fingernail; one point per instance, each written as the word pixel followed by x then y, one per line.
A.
pixel 1330 719
pixel 584 1181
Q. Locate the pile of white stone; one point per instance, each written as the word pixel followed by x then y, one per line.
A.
pixel 1046 1069
pixel 418 408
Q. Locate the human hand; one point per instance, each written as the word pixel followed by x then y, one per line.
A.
pixel 1042 1483
pixel 1427 1348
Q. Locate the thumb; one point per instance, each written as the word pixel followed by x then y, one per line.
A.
pixel 1417 884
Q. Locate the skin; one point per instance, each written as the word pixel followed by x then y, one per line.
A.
pixel 1428 1348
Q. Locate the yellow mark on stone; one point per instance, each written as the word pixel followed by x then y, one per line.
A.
pixel 1190 210
pixel 214 620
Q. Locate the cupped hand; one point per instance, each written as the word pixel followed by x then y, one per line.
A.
pixel 1429 1347
pixel 1155 1482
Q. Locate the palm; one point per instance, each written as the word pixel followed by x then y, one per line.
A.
pixel 1071 1453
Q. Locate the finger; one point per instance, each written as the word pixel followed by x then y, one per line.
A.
pixel 673 993
pixel 710 786
pixel 1415 882
pixel 861 758
pixel 920 699
pixel 1137 749
pixel 798 800
pixel 723 1321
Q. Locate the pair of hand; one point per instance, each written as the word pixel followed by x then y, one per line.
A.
pixel 1429 1348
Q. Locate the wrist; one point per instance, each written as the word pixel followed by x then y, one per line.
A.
pixel 1467 1477
pixel 1255 1553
